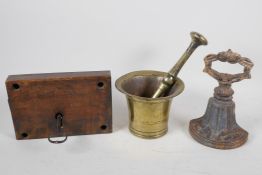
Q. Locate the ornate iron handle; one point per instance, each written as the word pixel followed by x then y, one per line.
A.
pixel 232 58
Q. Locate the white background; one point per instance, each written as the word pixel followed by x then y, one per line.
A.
pixel 122 36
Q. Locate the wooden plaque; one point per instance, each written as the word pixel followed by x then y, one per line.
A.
pixel 82 98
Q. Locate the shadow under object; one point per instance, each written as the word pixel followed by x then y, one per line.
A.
pixel 218 127
pixel 148 117
pixel 60 104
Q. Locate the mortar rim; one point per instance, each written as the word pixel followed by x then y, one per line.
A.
pixel 120 80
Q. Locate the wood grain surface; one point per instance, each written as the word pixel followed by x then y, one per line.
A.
pixel 83 98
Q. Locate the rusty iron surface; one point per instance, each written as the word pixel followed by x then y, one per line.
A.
pixel 218 128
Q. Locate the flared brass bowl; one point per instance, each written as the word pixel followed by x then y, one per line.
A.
pixel 148 117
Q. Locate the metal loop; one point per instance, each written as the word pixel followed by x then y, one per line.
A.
pixel 232 58
pixel 57 141
pixel 59 125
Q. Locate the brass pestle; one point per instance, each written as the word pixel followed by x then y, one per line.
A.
pixel 170 79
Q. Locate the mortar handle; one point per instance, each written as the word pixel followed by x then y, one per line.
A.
pixel 232 58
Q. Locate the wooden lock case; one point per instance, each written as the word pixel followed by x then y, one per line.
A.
pixel 82 99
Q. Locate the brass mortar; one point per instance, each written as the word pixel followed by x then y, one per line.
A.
pixel 148 117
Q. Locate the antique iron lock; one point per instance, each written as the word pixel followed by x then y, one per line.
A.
pixel 60 104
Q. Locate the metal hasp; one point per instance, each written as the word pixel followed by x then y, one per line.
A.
pixel 218 127
pixel 66 104
pixel 59 124
pixel 169 80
